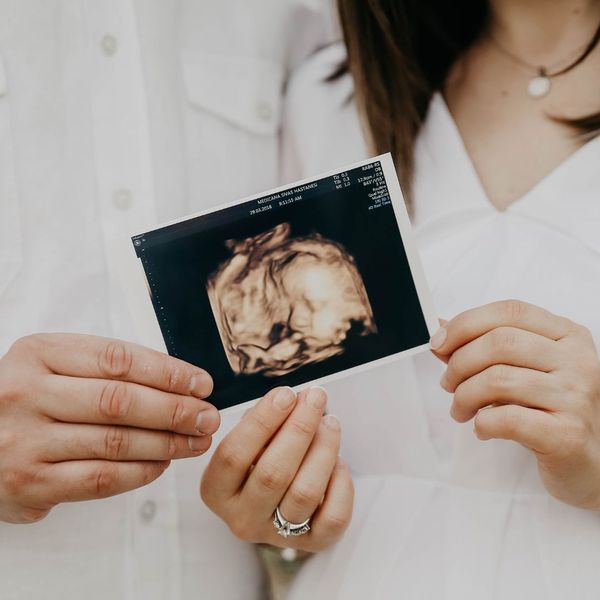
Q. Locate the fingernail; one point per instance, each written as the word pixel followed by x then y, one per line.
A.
pixel 453 414
pixel 438 338
pixel 481 436
pixel 284 398
pixel 332 422
pixel 202 425
pixel 317 397
pixel 201 385
pixel 444 379
pixel 198 444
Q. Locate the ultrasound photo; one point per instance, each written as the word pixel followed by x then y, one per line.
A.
pixel 281 303
pixel 293 287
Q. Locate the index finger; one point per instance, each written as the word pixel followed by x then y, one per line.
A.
pixel 231 462
pixel 104 358
pixel 476 322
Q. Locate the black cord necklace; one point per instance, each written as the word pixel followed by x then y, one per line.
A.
pixel 541 84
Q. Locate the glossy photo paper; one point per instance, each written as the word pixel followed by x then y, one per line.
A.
pixel 295 286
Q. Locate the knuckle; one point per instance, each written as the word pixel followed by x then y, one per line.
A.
pixel 12 390
pixel 8 440
pixel 229 456
pixel 16 481
pixel 23 343
pixel 304 496
pixel 479 425
pixel 29 343
pixel 115 400
pixel 33 515
pixel 500 378
pixel 513 310
pixel 335 523
pixel 115 360
pixel 456 367
pixel 206 489
pixel 104 480
pixel 243 530
pixel 461 402
pixel 260 422
pixel 171 446
pixel 511 423
pixel 271 476
pixel 582 383
pixel 589 367
pixel 503 339
pixel 172 375
pixel 574 438
pixel 209 495
pixel 454 363
pixel 588 384
pixel 567 326
pixel 16 388
pixel 116 443
pixel 571 385
pixel 579 330
pixel 178 414
pixel 301 428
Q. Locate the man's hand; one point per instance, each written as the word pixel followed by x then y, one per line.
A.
pixel 84 417
pixel 284 453
pixel 529 376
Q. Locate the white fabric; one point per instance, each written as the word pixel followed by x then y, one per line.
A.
pixel 116 115
pixel 440 514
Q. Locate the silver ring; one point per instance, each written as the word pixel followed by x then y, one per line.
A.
pixel 286 529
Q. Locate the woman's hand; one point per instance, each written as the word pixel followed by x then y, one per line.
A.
pixel 84 417
pixel 284 453
pixel 538 378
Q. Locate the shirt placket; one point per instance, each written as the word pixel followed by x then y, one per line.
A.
pixel 122 154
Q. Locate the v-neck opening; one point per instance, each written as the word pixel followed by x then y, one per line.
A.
pixel 553 174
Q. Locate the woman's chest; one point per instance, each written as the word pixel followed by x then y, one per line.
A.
pixel 496 256
pixel 514 140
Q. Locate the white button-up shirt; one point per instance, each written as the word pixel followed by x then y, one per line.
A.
pixel 115 115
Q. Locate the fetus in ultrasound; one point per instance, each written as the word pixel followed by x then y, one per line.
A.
pixel 281 302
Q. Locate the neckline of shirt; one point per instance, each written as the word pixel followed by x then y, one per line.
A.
pixel 567 199
pixel 443 139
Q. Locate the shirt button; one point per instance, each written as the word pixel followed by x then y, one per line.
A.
pixel 123 199
pixel 109 45
pixel 147 511
pixel 264 111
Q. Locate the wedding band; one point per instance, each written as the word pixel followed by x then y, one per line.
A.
pixel 286 529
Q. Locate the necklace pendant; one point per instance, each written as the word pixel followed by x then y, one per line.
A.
pixel 539 86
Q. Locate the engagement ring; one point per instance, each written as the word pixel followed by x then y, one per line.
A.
pixel 285 528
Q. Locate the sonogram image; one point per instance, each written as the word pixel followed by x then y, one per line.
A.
pixel 299 285
pixel 282 302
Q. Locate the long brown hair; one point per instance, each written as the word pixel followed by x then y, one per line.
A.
pixel 399 54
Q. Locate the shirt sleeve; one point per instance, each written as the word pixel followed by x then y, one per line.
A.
pixel 321 128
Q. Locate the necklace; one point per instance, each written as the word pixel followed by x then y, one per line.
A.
pixel 540 84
